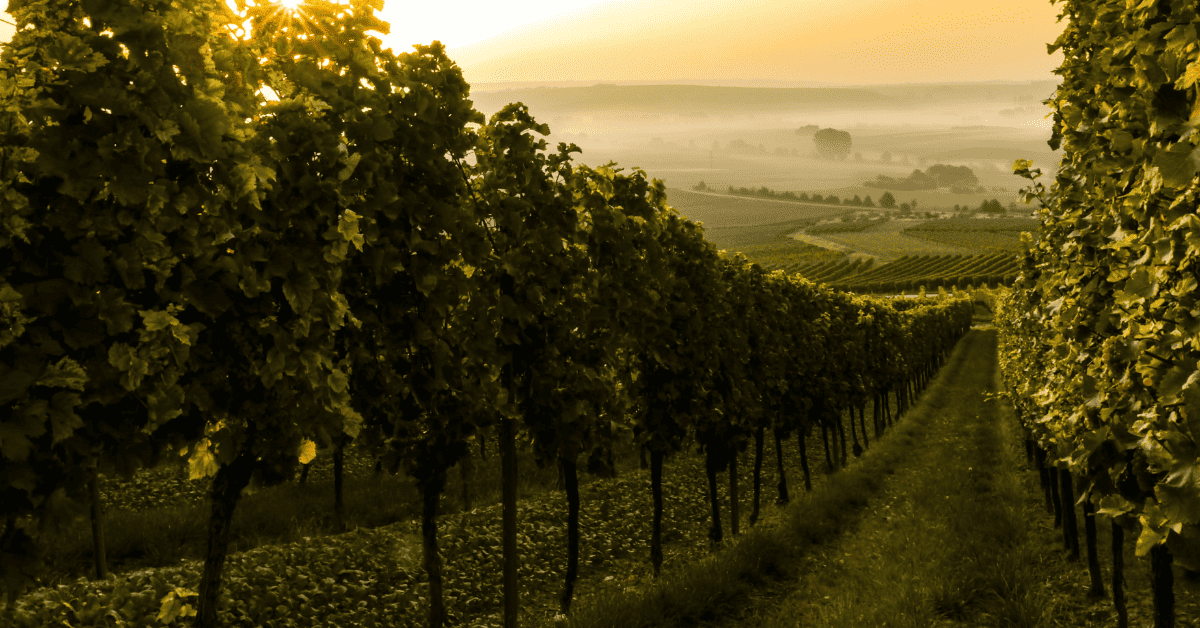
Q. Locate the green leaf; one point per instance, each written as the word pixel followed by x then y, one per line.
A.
pixel 1154 528
pixel 63 420
pixel 207 296
pixel 1179 505
pixel 351 164
pixel 348 227
pixel 1178 164
pixel 202 463
pixel 15 445
pixel 1189 78
pixel 127 360
pixel 308 451
pixel 66 374
pixel 13 383
pixel 337 381
pixel 173 606
pixel 1148 539
pixel 1122 140
pixel 9 295
pixel 298 290
pixel 382 130
pixel 157 319
pixel 1115 506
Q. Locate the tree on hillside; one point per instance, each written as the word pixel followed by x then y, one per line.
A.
pixel 991 207
pixel 832 144
pixel 867 202
pixel 700 187
pixel 904 208
pixel 807 129
pixel 952 175
pixel 887 200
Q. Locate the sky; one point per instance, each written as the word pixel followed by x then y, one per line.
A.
pixel 819 42
pixel 846 42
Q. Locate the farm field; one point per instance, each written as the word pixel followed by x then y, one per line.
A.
pixel 909 273
pixel 758 228
pixel 764 230
pixel 987 235
pixel 887 242
pixel 721 210
pixel 978 241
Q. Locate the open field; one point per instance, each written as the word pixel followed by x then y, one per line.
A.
pixel 887 242
pixel 720 210
pixel 979 241
pixel 994 235
pixel 760 228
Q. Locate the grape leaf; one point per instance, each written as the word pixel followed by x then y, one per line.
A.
pixel 1178 164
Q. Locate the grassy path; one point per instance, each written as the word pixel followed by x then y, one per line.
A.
pixel 945 542
pixel 928 528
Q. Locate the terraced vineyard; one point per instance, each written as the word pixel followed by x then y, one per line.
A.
pixel 854 226
pixel 993 235
pixel 772 246
pixel 909 273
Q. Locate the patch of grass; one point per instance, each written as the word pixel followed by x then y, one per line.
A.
pixel 952 546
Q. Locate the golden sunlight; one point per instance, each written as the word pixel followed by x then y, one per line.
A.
pixel 291 5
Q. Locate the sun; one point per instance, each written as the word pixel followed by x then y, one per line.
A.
pixel 291 5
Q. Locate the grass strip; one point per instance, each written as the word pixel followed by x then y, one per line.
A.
pixel 948 543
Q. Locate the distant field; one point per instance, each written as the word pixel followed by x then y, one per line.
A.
pixel 887 242
pixel 996 235
pixel 758 228
pixel 910 273
pixel 977 224
pixel 893 239
pixel 771 245
pixel 979 241
pixel 718 210
pixel 766 231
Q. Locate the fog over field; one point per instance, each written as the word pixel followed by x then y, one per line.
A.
pixel 747 136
